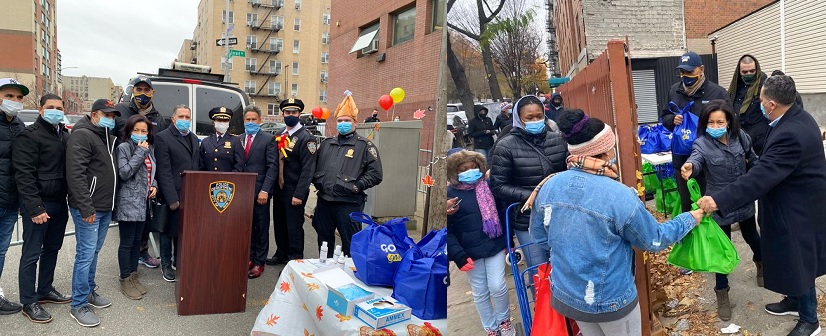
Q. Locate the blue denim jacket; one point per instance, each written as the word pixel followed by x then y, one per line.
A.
pixel 590 224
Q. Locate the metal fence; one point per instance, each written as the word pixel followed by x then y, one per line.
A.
pixel 17 234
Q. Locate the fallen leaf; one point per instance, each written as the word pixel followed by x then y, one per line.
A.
pixel 272 320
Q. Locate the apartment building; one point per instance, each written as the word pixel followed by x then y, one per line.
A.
pixel 286 46
pixel 90 89
pixel 28 34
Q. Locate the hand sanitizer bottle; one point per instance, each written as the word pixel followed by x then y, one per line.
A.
pixel 322 255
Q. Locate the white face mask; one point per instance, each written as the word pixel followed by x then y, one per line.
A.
pixel 221 127
pixel 11 107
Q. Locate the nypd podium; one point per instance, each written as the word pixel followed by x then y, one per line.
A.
pixel 214 242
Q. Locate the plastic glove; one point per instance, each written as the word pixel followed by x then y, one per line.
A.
pixel 468 266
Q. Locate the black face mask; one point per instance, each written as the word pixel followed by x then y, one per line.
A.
pixel 291 121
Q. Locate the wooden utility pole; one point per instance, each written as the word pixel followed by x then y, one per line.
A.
pixel 437 205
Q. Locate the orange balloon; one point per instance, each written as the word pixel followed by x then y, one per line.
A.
pixel 325 113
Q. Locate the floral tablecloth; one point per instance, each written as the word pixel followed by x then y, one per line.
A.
pixel 298 306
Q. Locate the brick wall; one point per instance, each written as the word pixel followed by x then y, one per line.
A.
pixel 412 65
pixel 570 32
pixel 654 27
pixel 706 16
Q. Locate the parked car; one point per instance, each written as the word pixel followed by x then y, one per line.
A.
pixel 28 116
pixel 70 120
pixel 272 127
pixel 454 110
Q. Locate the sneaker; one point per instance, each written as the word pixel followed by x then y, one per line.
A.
pixel 505 328
pixel 168 273
pixel 784 307
pixel 138 285
pixel 149 262
pixel 489 332
pixel 684 271
pixel 805 329
pixel 98 301
pixel 35 313
pixel 85 316
pixel 127 287
pixel 7 307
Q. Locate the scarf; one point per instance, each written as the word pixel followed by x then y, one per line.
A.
pixel 752 91
pixel 690 91
pixel 490 217
pixel 588 164
pixel 143 112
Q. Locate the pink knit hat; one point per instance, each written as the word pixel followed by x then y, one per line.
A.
pixel 601 143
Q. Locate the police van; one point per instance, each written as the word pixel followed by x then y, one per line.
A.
pixel 197 87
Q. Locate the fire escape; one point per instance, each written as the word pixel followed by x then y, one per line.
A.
pixel 553 49
pixel 273 48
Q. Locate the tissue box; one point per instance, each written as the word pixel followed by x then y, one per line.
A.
pixel 382 312
pixel 344 299
pixel 322 267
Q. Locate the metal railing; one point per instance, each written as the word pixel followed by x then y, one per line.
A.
pixel 17 234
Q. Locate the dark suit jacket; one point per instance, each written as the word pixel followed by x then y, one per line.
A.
pixel 262 159
pixel 789 182
pixel 216 156
pixel 174 156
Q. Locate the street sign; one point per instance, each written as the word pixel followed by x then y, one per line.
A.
pixel 239 53
pixel 232 41
pixel 231 27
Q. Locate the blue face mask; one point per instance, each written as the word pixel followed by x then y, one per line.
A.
pixel 470 176
pixel 763 109
pixel 716 132
pixel 106 122
pixel 535 127
pixel 344 127
pixel 138 138
pixel 183 125
pixel 251 127
pixel 53 116
pixel 143 99
pixel 690 81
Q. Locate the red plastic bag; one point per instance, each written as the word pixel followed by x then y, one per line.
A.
pixel 546 320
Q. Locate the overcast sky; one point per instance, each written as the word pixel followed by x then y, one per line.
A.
pixel 117 39
pixel 468 7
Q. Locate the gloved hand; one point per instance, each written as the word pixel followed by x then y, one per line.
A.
pixel 468 266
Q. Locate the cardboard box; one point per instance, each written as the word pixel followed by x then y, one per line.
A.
pixel 344 299
pixel 382 312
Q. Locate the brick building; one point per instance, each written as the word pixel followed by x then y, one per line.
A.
pixel 90 89
pixel 706 16
pixel 377 46
pixel 28 34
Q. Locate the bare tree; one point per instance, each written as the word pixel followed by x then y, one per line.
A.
pixel 475 26
pixel 457 72
pixel 515 43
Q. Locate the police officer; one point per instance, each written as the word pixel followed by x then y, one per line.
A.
pixel 297 154
pixel 348 164
pixel 216 150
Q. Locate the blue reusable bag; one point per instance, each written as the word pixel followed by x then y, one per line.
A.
pixel 684 134
pixel 664 145
pixel 649 139
pixel 422 279
pixel 377 250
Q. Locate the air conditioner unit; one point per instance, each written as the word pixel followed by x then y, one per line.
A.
pixel 324 79
pixel 298 6
pixel 373 47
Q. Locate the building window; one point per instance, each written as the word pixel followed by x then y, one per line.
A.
pixel 298 4
pixel 368 39
pixel 297 24
pixel 224 17
pixel 439 13
pixel 294 89
pixel 326 18
pixel 272 110
pixel 252 19
pixel 322 97
pixel 325 38
pixel 274 89
pixel 249 87
pixel 404 23
pixel 275 44
pixel 295 68
pixel 252 42
pixel 277 22
pixel 325 57
pixel 275 67
pixel 324 76
pixel 251 64
pixel 224 63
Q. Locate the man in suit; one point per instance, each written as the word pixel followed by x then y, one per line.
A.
pixel 789 183
pixel 216 150
pixel 297 148
pixel 257 152
pixel 176 150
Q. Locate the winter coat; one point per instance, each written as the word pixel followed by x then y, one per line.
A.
pixel 130 108
pixel 39 160
pixel 752 120
pixel 90 168
pixel 345 161
pixel 465 237
pixel 135 183
pixel 552 111
pixel 517 168
pixel 723 164
pixel 174 153
pixel 789 183
pixel 8 187
pixel 481 129
pixel 502 120
pixel 708 91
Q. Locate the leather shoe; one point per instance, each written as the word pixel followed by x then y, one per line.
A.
pixel 256 271
pixel 54 296
pixel 7 307
pixel 249 266
pixel 35 313
pixel 277 261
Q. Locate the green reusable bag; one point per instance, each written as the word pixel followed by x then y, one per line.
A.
pixel 672 198
pixel 649 180
pixel 706 248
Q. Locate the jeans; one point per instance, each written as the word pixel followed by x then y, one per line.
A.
pixel 534 255
pixel 806 306
pixel 748 228
pixel 8 218
pixel 129 249
pixel 483 151
pixel 630 325
pixel 41 242
pixel 90 238
pixel 487 281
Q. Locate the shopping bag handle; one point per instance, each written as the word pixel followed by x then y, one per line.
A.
pixel 362 218
pixel 694 191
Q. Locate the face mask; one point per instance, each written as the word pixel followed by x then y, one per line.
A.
pixel 689 81
pixel 470 176
pixel 183 125
pixel 535 127
pixel 11 107
pixel 143 99
pixel 344 128
pixel 106 122
pixel 483 113
pixel 763 109
pixel 557 102
pixel 748 78
pixel 251 127
pixel 716 132
pixel 138 138
pixel 291 121
pixel 53 116
pixel 222 127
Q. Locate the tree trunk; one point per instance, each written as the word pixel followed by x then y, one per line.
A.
pixel 490 71
pixel 437 214
pixel 457 73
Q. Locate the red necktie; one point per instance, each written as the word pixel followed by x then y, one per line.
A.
pixel 248 145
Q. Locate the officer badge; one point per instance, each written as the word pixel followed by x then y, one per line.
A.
pixel 221 194
pixel 373 152
pixel 312 147
pixel 350 153
pixel 227 144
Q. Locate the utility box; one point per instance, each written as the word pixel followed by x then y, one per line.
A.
pixel 398 145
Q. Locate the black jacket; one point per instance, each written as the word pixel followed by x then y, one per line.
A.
pixel 174 153
pixel 130 108
pixel 465 237
pixel 708 91
pixel 372 119
pixel 91 171
pixel 481 129
pixel 502 120
pixel 39 160
pixel 217 154
pixel 299 165
pixel 517 168
pixel 8 188
pixel 262 159
pixel 345 161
